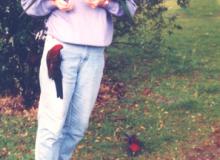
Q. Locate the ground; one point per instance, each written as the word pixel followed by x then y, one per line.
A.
pixel 171 103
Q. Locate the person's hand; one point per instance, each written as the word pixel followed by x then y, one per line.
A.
pixel 63 5
pixel 97 3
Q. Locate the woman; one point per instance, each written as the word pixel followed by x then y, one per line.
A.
pixel 83 28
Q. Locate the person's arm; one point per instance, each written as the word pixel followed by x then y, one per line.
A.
pixel 44 7
pixel 114 7
pixel 39 7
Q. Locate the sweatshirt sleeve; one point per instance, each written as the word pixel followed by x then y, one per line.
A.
pixel 114 7
pixel 38 8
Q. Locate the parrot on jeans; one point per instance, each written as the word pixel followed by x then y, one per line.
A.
pixel 53 64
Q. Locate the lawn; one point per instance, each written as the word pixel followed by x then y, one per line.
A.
pixel 172 102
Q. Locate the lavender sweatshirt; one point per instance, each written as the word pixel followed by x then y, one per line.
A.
pixel 83 25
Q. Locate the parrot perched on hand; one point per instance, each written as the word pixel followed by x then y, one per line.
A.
pixel 53 66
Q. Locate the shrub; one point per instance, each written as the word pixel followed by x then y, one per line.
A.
pixel 20 54
pixel 150 23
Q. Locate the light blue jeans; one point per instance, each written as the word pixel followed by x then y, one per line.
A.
pixel 63 122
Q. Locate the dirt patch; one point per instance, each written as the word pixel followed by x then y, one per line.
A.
pixel 11 106
pixel 209 149
pixel 110 90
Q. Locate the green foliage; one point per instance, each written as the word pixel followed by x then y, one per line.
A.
pixel 149 24
pixel 183 3
pixel 19 56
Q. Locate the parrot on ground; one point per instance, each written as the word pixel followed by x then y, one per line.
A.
pixel 134 145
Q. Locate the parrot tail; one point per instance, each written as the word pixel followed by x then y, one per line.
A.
pixel 59 88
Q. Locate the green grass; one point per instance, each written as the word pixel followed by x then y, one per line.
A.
pixel 178 114
pixel 17 136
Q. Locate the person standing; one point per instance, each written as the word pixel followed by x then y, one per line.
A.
pixel 84 28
